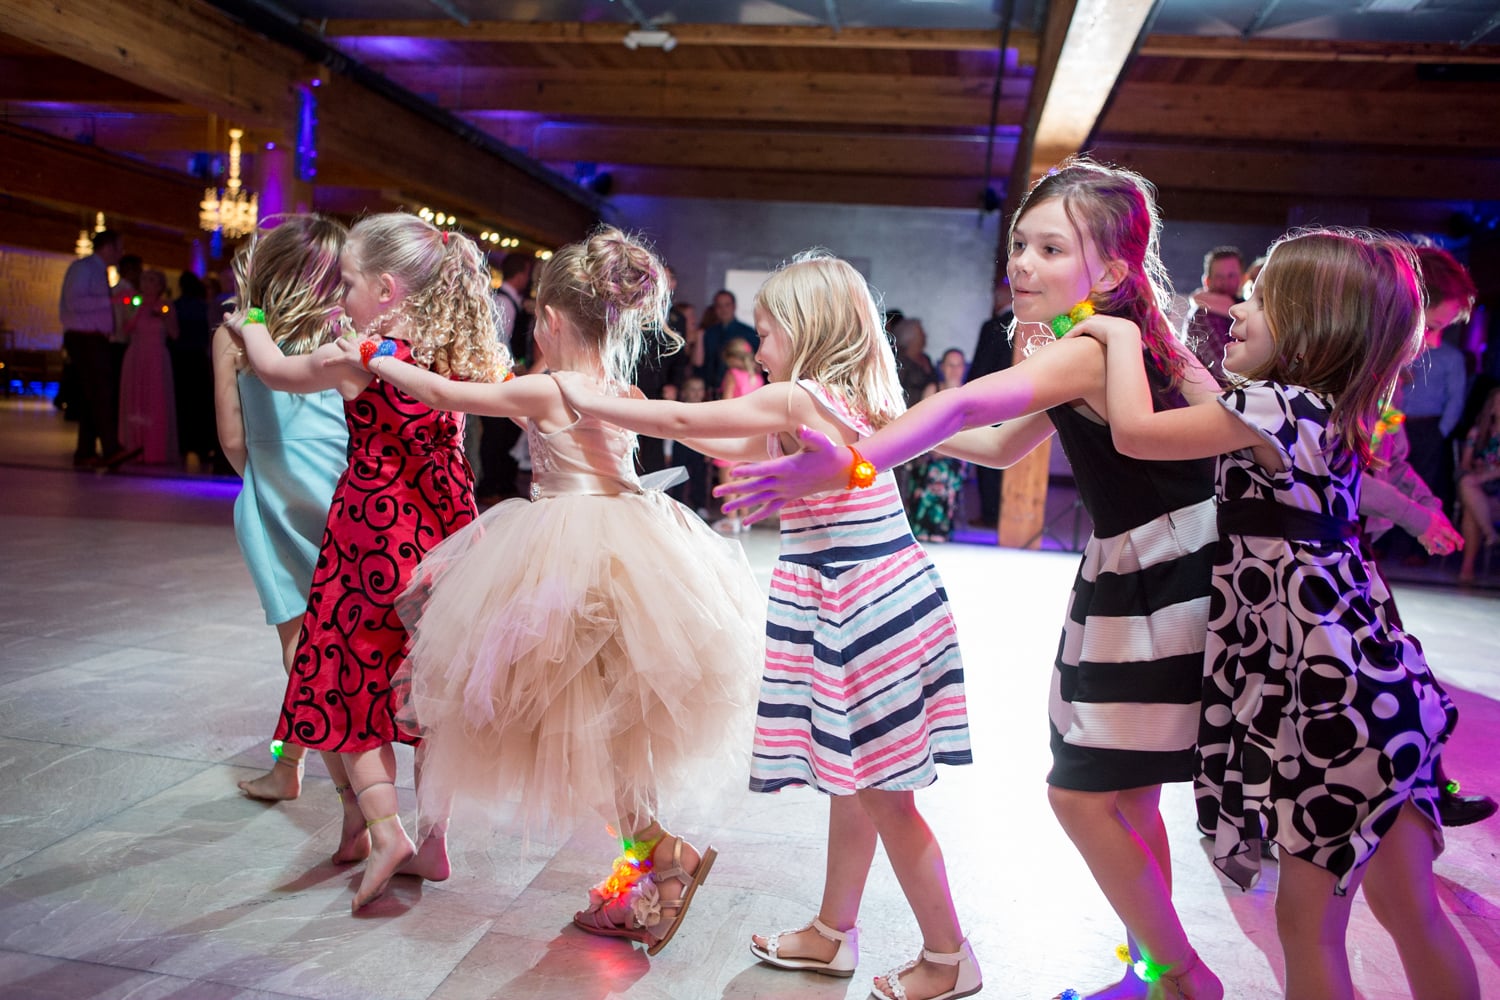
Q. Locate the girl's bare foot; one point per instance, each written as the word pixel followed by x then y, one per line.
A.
pixel 1191 979
pixel 390 848
pixel 354 838
pixel 281 783
pixel 431 860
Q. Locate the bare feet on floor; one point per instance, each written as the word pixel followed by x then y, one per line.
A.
pixel 281 783
pixel 390 848
pixel 354 838
pixel 431 860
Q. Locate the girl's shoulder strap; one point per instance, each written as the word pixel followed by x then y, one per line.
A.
pixel 836 406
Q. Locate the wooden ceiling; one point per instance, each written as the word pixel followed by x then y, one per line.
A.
pixel 529 126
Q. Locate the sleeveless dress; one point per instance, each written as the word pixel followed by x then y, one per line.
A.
pixel 590 650
pixel 863 686
pixel 148 401
pixel 1126 685
pixel 406 488
pixel 296 446
pixel 1320 717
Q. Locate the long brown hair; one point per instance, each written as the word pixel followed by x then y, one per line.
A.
pixel 1345 313
pixel 1116 210
pixel 292 273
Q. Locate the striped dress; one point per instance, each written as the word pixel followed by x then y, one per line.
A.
pixel 1128 677
pixel 863 686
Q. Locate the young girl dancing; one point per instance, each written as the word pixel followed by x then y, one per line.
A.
pixel 1321 722
pixel 1126 685
pixel 406 488
pixel 593 649
pixel 289 448
pixel 862 693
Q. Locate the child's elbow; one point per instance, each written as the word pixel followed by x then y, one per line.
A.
pixel 1130 443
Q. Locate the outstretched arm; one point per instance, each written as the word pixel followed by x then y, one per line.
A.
pixel 1139 430
pixel 297 372
pixel 1063 372
pixel 770 409
pixel 529 396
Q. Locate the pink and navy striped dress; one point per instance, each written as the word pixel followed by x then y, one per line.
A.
pixel 863 685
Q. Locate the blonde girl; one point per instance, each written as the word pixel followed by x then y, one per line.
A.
pixel 862 692
pixel 590 650
pixel 407 486
pixel 1123 709
pixel 288 448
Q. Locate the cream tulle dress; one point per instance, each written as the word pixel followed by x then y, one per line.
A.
pixel 592 652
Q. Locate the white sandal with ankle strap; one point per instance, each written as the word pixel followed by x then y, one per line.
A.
pixel 969 980
pixel 842 964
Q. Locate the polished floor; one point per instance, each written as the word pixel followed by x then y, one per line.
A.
pixel 138 684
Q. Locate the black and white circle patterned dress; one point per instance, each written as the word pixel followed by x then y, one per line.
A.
pixel 1320 717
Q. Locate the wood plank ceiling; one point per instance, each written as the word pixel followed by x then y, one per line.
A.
pixel 1237 111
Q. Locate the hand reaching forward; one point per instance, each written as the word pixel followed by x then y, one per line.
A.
pixel 763 488
pixel 1441 537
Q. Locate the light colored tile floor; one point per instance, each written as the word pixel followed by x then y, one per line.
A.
pixel 137 684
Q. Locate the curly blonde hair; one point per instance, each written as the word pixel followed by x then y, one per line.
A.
pixel 837 337
pixel 453 319
pixel 616 294
pixel 291 272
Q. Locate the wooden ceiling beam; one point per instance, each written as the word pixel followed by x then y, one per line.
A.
pixel 192 52
pixel 183 50
pixel 772 185
pixel 1334 173
pixel 726 148
pixel 847 98
pixel 131 133
pixel 50 78
pixel 1314 50
pixel 1423 118
pixel 728 35
pixel 45 227
pixel 1100 39
pixel 40 166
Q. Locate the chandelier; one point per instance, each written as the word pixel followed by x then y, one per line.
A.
pixel 230 209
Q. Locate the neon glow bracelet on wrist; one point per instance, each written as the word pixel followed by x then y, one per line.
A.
pixel 255 315
pixel 862 472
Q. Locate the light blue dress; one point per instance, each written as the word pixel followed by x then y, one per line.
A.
pixel 297 447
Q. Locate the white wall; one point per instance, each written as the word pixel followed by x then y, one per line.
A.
pixel 934 264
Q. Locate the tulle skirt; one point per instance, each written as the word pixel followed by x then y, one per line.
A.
pixel 581 657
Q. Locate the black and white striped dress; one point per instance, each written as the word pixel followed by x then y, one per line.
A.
pixel 1126 688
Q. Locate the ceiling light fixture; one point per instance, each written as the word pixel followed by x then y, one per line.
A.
pixel 650 39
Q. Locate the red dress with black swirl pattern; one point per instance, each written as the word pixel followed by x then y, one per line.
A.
pixel 407 487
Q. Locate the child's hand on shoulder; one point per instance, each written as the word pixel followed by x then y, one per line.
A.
pixel 343 351
pixel 1102 328
pixel 577 388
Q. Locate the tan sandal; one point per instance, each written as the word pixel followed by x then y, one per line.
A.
pixel 638 915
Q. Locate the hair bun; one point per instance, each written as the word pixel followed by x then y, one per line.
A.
pixel 621 270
